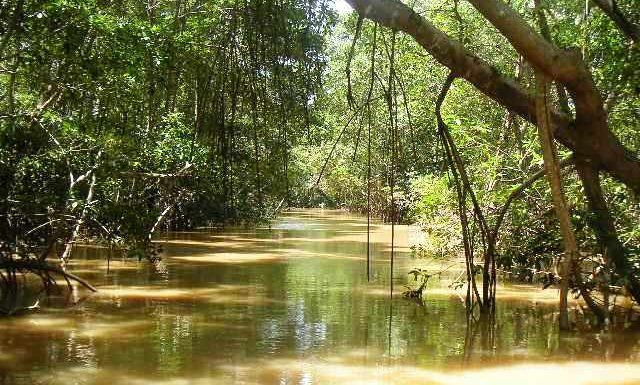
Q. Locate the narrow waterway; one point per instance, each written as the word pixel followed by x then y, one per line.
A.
pixel 291 304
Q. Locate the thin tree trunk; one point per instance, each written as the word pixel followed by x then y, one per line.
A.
pixel 552 168
pixel 462 187
pixel 160 219
pixel 76 230
pixel 564 106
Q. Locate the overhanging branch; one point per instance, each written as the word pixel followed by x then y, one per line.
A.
pixel 589 138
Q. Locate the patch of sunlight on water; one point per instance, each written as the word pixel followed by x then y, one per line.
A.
pixel 292 305
pixel 223 294
pixel 300 372
pixel 305 372
pixel 579 373
pixel 232 257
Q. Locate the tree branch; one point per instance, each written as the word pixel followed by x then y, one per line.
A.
pixel 610 8
pixel 593 138
pixel 518 190
pixel 41 266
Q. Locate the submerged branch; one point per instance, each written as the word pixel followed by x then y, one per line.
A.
pixel 36 267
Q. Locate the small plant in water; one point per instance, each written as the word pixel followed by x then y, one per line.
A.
pixel 421 276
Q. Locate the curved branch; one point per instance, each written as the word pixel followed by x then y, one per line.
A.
pixel 519 190
pixel 610 8
pixel 41 266
pixel 588 136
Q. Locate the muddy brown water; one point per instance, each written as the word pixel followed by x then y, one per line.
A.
pixel 292 305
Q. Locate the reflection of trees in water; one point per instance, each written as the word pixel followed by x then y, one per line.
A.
pixel 525 333
pixel 172 339
pixel 318 307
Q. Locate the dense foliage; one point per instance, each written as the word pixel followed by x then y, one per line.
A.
pixel 125 116
pixel 118 118
pixel 499 149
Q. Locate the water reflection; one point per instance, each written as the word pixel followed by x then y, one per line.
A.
pixel 291 305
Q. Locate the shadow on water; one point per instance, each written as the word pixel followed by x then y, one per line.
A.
pixel 293 306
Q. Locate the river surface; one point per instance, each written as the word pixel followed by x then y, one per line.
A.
pixel 291 304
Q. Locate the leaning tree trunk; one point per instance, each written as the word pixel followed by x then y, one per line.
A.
pixel 603 226
pixel 629 29
pixel 552 168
